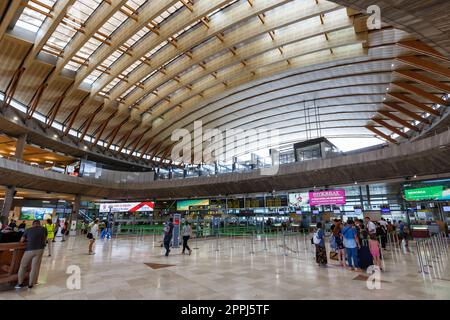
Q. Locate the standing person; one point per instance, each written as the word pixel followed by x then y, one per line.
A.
pixel 319 241
pixel 50 227
pixel 351 244
pixel 92 235
pixel 22 226
pixel 57 227
pixel 168 232
pixel 34 238
pixel 340 249
pixel 187 233
pixel 65 231
pixel 12 224
pixel 371 227
pixel 381 234
pixel 374 247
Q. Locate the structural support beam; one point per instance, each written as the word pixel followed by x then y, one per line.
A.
pixel 20 146
pixel 425 65
pixel 422 48
pixel 381 134
pixel 48 27
pixel 9 16
pixel 74 115
pixel 406 99
pixel 392 128
pixel 419 92
pixel 417 77
pixel 7 204
pixel 400 121
pixel 115 132
pixel 413 115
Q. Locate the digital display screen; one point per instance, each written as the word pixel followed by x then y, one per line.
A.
pixel 183 205
pixel 27 213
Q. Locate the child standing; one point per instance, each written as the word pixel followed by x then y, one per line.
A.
pixel 374 247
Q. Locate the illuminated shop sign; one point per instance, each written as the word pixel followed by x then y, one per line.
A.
pixel 329 197
pixel 127 207
pixel 428 193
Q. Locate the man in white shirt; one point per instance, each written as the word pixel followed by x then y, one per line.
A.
pixel 371 227
pixel 383 223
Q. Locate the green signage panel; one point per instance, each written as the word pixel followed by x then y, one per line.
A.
pixel 427 193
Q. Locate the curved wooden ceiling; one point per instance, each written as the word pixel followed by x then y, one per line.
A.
pixel 125 73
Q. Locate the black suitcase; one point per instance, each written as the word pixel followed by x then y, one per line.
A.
pixel 365 257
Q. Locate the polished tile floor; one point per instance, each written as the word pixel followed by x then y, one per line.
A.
pixel 237 268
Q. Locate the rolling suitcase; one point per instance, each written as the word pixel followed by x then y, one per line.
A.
pixel 365 257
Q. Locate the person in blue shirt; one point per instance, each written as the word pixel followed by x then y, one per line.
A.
pixel 351 244
pixel 321 253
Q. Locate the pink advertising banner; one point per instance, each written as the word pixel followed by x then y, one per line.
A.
pixel 323 198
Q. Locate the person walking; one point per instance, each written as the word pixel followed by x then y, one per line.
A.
pixel 187 233
pixel 57 227
pixel 34 238
pixel 168 232
pixel 351 244
pixel 92 236
pixel 65 231
pixel 319 241
pixel 50 227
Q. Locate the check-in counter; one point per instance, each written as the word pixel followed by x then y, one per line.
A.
pixel 10 257
pixel 424 231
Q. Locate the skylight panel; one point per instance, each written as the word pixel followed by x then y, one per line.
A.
pixel 71 24
pixel 34 15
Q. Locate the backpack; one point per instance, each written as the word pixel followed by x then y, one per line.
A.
pixel 316 238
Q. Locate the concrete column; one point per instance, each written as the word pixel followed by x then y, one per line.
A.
pixel 20 146
pixel 7 203
pixel 76 207
pixel 74 215
pixel 11 190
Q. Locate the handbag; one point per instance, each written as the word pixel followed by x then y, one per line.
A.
pixel 90 236
pixel 334 255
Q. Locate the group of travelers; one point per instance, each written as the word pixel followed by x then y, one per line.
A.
pixel 36 238
pixel 357 244
pixel 168 235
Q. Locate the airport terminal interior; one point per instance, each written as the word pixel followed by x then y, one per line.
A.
pixel 224 149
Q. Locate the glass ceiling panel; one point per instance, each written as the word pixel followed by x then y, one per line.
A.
pixel 34 16
pixel 72 23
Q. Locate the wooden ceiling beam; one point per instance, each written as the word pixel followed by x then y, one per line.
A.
pixel 99 131
pixel 115 132
pixel 406 99
pixel 389 127
pixel 399 108
pixel 425 65
pixel 187 43
pixel 59 11
pixel 420 78
pixel 88 123
pixel 422 48
pixel 419 92
pixel 400 121
pixel 381 134
pixel 9 16
pixel 74 115
pixel 126 137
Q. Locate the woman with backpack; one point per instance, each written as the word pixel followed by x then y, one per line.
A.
pixel 319 241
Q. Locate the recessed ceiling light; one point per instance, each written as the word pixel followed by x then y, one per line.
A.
pixel 55 136
pixel 85 147
pixel 15 118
